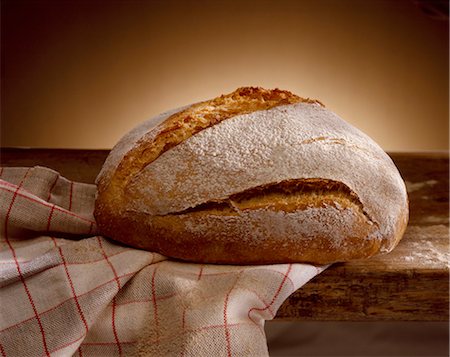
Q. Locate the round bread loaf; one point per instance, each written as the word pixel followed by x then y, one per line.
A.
pixel 253 177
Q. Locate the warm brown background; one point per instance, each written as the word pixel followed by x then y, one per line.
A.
pixel 79 74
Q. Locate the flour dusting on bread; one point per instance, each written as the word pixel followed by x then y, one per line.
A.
pixel 171 184
pixel 270 146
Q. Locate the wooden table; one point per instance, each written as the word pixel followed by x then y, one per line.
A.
pixel 410 284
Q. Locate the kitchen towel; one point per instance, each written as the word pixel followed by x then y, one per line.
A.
pixel 65 290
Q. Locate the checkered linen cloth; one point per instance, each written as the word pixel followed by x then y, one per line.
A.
pixel 66 291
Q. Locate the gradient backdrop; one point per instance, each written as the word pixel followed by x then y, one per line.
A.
pixel 79 74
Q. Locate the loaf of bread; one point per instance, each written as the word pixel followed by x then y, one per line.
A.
pixel 253 177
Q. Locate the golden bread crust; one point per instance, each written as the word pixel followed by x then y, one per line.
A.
pixel 313 220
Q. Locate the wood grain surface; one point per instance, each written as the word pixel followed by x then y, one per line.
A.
pixel 410 284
